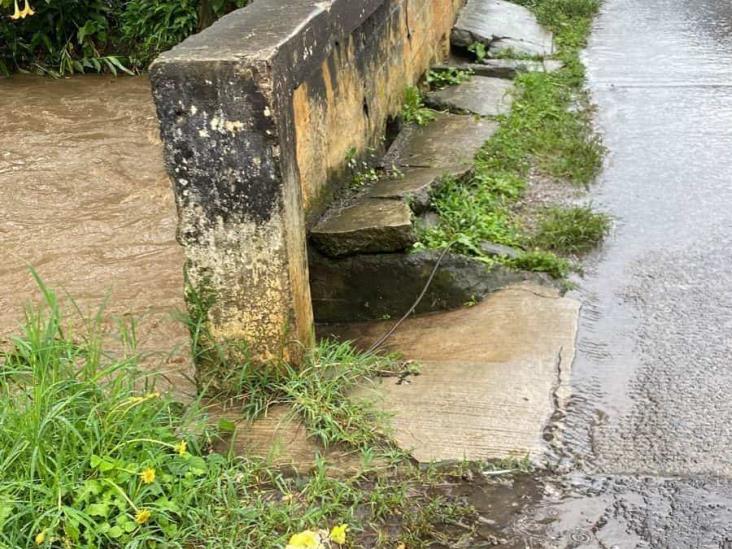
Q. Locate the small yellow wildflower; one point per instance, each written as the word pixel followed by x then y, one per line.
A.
pixel 40 538
pixel 148 475
pixel 338 534
pixel 305 540
pixel 142 516
pixel 181 448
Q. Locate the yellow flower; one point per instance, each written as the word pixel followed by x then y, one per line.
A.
pixel 305 540
pixel 40 538
pixel 181 448
pixel 148 475
pixel 338 534
pixel 142 516
pixel 22 14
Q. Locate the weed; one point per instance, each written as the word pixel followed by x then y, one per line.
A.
pixel 542 262
pixel 362 173
pixel 573 230
pixel 413 110
pixel 479 49
pixel 442 78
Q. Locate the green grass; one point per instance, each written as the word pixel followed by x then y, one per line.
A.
pixel 549 130
pixel 92 455
pixel 570 230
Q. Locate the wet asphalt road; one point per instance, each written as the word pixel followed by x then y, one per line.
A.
pixel 645 459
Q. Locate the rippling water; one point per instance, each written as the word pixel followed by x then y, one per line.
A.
pixel 84 199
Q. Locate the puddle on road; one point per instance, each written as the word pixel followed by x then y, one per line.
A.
pixel 84 199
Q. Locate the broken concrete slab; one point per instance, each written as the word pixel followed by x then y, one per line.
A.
pixel 281 438
pixel 489 376
pixel 481 95
pixel 501 26
pixel 450 141
pixel 415 185
pixel 371 225
pixel 504 68
pixel 376 286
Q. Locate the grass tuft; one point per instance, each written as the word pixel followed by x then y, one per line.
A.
pixel 570 231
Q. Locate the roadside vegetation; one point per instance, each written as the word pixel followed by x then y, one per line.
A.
pixel 61 37
pixel 548 134
pixel 95 454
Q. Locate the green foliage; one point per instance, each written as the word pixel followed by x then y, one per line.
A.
pixel 414 110
pixel 542 262
pixel 574 230
pixel 442 78
pixel 93 456
pixel 63 37
pixel 362 173
pixel 479 49
pixel 73 36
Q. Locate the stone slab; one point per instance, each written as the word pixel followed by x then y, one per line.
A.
pixel 450 141
pixel 370 225
pixel 415 185
pixel 489 378
pixel 481 95
pixel 374 286
pixel 501 26
pixel 280 438
pixel 503 68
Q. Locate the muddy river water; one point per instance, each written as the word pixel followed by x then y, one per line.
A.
pixel 84 199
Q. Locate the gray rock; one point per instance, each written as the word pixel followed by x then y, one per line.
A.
pixel 480 95
pixel 501 26
pixel 499 250
pixel 368 287
pixel 368 226
pixel 428 220
pixel 415 185
pixel 504 68
pixel 451 141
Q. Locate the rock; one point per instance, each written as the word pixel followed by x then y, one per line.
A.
pixel 426 221
pixel 501 26
pixel 480 95
pixel 451 141
pixel 368 287
pixel 415 185
pixel 368 226
pixel 504 68
pixel 491 249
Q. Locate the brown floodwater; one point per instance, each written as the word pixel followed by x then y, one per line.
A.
pixel 84 199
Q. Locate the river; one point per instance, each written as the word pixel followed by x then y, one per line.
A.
pixel 84 199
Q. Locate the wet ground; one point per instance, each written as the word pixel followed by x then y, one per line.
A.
pixel 645 458
pixel 84 199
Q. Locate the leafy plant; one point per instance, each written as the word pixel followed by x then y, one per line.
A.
pixel 414 109
pixel 479 49
pixel 442 78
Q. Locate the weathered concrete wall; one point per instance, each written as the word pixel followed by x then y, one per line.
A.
pixel 258 113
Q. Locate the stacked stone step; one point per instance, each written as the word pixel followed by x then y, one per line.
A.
pixel 382 219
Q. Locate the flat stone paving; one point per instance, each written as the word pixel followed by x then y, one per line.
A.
pixel 450 140
pixel 368 226
pixel 501 26
pixel 480 95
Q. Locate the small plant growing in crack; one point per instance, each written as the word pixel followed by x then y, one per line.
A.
pixel 414 110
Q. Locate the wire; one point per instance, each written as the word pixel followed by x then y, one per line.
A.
pixel 379 342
